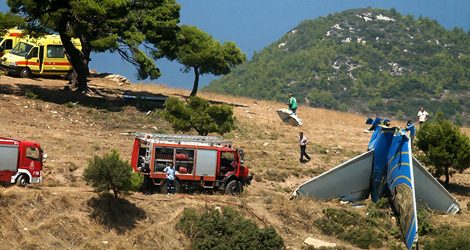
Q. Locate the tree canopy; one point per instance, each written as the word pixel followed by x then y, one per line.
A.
pixel 9 20
pixel 122 26
pixel 200 115
pixel 445 149
pixel 198 51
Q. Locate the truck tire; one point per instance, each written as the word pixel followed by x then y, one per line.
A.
pixel 234 187
pixel 25 73
pixel 21 181
pixel 163 187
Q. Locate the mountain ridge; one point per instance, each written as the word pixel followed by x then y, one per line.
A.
pixel 370 61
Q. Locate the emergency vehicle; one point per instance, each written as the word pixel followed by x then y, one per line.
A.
pixel 200 161
pixel 21 161
pixel 9 40
pixel 38 56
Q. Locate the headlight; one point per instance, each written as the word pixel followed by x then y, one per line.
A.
pixel 13 64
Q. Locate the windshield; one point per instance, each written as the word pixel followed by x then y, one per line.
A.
pixel 21 49
pixel 33 153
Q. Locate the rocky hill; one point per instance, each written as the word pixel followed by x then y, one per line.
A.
pixel 371 61
pixel 62 212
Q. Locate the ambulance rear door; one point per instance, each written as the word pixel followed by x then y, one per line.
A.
pixel 55 61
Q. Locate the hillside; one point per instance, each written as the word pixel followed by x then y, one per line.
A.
pixel 371 61
pixel 63 213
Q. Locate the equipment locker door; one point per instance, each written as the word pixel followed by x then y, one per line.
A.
pixel 206 161
pixel 8 157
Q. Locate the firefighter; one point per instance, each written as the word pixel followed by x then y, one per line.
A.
pixel 145 170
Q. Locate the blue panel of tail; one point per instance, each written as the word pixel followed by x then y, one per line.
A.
pixel 383 140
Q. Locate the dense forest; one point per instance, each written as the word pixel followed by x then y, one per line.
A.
pixel 373 61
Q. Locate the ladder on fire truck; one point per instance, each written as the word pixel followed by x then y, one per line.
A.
pixel 179 139
pixel 202 140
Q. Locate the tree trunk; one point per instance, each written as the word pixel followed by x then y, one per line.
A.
pixel 196 81
pixel 446 182
pixel 78 60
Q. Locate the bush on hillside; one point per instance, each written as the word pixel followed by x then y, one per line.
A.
pixel 445 149
pixel 226 230
pixel 446 237
pixel 111 173
pixel 199 115
pixel 362 231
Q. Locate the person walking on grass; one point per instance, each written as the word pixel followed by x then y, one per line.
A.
pixel 303 145
pixel 292 103
pixel 170 179
pixel 422 116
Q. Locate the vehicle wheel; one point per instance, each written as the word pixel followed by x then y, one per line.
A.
pixel 21 181
pixel 164 185
pixel 70 75
pixel 234 187
pixel 25 73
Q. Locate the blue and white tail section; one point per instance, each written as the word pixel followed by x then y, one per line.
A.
pixel 400 180
pixel 387 169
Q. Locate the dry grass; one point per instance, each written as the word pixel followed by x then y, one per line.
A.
pixel 56 214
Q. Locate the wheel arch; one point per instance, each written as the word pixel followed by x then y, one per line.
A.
pixel 231 177
pixel 20 172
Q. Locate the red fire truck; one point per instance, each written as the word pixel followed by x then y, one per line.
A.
pixel 20 161
pixel 200 161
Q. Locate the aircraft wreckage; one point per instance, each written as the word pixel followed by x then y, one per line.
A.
pixel 387 169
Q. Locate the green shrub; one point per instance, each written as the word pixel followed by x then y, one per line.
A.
pixel 400 115
pixel 200 115
pixel 424 223
pixel 364 232
pixel 382 203
pixel 111 173
pixel 69 105
pixel 226 230
pixel 30 94
pixel 446 237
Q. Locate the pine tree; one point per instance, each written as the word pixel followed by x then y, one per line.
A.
pixel 111 173
pixel 199 115
pixel 445 149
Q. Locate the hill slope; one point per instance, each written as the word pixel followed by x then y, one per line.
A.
pixel 62 212
pixel 371 61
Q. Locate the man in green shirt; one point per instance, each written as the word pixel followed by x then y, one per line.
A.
pixel 292 103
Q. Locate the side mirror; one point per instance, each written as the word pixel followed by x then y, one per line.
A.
pixel 242 156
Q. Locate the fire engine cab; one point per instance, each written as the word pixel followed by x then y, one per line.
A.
pixel 200 161
pixel 20 161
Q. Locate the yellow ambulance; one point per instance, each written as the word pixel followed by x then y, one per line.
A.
pixel 10 38
pixel 38 56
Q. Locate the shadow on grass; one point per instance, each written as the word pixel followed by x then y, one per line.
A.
pixel 102 98
pixel 118 214
pixel 110 99
pixel 458 189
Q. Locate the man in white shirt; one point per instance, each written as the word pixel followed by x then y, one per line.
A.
pixel 422 116
pixel 303 145
pixel 170 179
